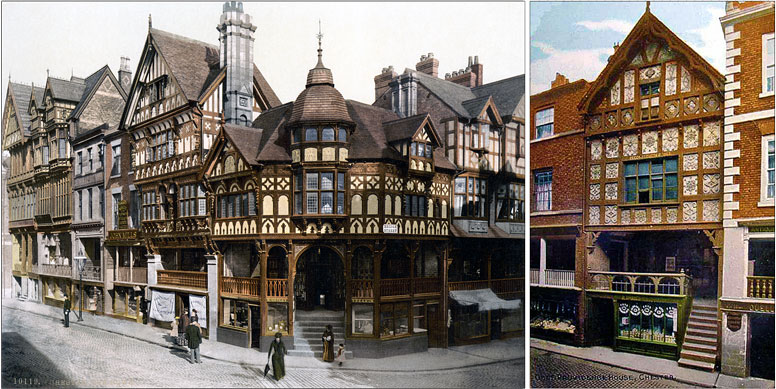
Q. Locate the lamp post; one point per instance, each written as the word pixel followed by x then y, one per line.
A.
pixel 80 261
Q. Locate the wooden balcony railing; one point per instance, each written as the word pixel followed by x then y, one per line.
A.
pixel 426 285
pixel 394 287
pixel 534 276
pixel 362 289
pixel 759 287
pixel 507 285
pixel 277 287
pixel 241 285
pixel 187 279
pixel 468 285
pixel 55 270
pixel 136 275
pixel 676 284
pixel 93 273
pixel 559 278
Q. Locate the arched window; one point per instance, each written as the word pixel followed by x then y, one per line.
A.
pixel 327 135
pixel 343 135
pixel 277 264
pixel 311 134
pixel 362 264
pixel 297 135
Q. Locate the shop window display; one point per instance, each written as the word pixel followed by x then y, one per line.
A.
pixel 654 322
pixel 553 315
pixel 468 325
pixel 362 315
pixel 277 318
pixel 394 319
pixel 236 314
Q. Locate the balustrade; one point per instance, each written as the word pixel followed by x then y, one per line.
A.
pixel 676 284
pixel 136 275
pixel 362 289
pixel 55 270
pixel 507 285
pixel 277 287
pixel 759 287
pixel 426 285
pixel 241 285
pixel 468 285
pixel 91 272
pixel 394 286
pixel 187 279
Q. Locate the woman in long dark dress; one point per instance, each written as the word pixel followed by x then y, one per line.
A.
pixel 276 357
pixel 328 344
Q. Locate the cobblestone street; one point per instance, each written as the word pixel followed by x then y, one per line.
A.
pixel 39 351
pixel 550 370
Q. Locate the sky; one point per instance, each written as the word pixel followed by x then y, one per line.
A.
pixel 359 39
pixel 575 39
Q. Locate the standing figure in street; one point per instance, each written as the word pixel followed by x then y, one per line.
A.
pixel 174 329
pixel 341 354
pixel 328 344
pixel 183 325
pixel 194 316
pixel 66 311
pixel 194 339
pixel 276 358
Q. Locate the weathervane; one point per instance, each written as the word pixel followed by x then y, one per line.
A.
pixel 319 36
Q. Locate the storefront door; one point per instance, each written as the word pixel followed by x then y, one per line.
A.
pixel 255 326
pixel 320 280
pixel 436 328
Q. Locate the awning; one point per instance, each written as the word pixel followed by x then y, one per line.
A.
pixel 485 299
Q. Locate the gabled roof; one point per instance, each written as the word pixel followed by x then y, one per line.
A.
pixel 508 95
pixel 38 93
pixel 266 91
pixel 71 90
pixel 245 140
pixel 273 140
pixel 476 105
pixel 403 128
pixel 92 83
pixel 191 62
pixel 647 26
pixel 450 93
pixel 20 98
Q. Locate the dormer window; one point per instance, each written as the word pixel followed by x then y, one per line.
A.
pixel 420 149
pixel 327 134
pixel 311 135
pixel 343 135
pixel 480 135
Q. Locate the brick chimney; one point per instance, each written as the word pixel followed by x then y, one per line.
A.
pixel 428 65
pixel 382 80
pixel 560 80
pixel 469 77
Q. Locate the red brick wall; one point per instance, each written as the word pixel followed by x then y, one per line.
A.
pixel 750 60
pixel 565 155
pixel 750 145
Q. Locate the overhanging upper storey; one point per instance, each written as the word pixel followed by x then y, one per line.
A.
pixel 653 77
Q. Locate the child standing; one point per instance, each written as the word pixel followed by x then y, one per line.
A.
pixel 341 354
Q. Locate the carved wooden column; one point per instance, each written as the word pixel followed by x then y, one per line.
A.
pixel 379 249
pixel 291 275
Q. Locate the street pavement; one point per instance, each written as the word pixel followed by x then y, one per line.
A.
pixel 551 370
pixel 37 351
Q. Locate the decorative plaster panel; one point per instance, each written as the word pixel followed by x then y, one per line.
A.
pixel 711 134
pixel 595 215
pixel 690 185
pixel 611 170
pixel 629 86
pixel 691 136
pixel 657 215
pixel 710 183
pixel 630 146
pixel 595 172
pixel 689 211
pixel 671 139
pixel 671 214
pixel 612 147
pixel 711 160
pixel 614 93
pixel 611 191
pixel 595 192
pixel 640 216
pixel 690 162
pixel 649 142
pixel 610 214
pixel 711 210
pixel 625 216
pixel 596 150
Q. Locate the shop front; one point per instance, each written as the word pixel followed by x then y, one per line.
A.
pixel 478 316
pixel 554 314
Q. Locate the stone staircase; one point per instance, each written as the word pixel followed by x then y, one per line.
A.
pixel 308 328
pixel 699 350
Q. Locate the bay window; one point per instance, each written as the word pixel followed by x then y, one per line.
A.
pixel 191 201
pixel 415 206
pixel 237 205
pixel 510 201
pixel 470 197
pixel 150 206
pixel 319 193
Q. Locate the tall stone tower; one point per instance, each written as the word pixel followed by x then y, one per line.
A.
pixel 236 37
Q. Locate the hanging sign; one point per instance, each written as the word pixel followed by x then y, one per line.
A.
pixel 162 306
pixel 200 304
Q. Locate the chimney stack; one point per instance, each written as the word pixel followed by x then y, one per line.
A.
pixel 469 77
pixel 236 37
pixel 382 80
pixel 560 80
pixel 125 74
pixel 428 65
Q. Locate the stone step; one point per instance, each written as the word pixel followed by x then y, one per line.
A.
pixel 317 337
pixel 693 364
pixel 317 340
pixel 711 319
pixel 705 308
pixel 702 325
pixel 698 356
pixel 707 348
pixel 702 333
pixel 311 354
pixel 701 339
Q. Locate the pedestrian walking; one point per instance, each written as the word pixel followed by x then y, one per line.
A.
pixel 341 353
pixel 194 339
pixel 328 344
pixel 66 311
pixel 174 329
pixel 276 358
pixel 194 316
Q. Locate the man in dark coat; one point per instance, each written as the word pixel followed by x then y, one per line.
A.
pixel 183 325
pixel 194 339
pixel 276 358
pixel 66 311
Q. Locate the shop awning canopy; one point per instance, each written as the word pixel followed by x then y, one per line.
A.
pixel 485 299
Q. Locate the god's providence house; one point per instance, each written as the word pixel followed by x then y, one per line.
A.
pixel 627 238
pixel 270 217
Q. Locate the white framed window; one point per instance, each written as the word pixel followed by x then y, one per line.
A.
pixel 767 171
pixel 545 123
pixel 767 68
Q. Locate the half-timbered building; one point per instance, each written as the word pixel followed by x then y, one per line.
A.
pixel 181 93
pixel 481 131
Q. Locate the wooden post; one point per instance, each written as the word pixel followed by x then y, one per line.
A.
pixel 291 274
pixel 379 249
pixel 348 291
pixel 262 248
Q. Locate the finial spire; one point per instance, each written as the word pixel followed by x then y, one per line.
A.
pixel 149 22
pixel 648 6
pixel 320 50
